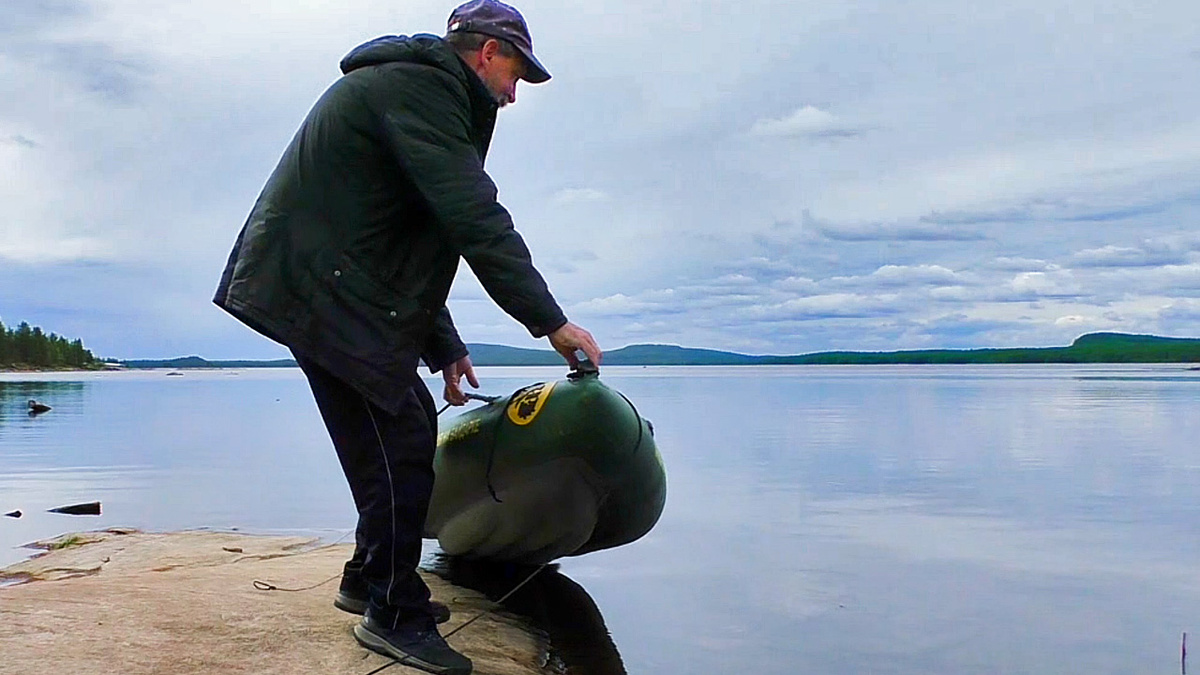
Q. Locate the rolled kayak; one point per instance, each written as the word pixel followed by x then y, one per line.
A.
pixel 555 469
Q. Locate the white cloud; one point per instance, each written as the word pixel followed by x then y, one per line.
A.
pixel 31 248
pixel 832 305
pixel 796 285
pixel 614 305
pixel 1009 264
pixel 1050 284
pixel 908 275
pixel 808 121
pixel 578 196
pixel 897 231
pixel 1036 169
pixel 1127 256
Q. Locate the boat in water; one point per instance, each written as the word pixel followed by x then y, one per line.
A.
pixel 555 469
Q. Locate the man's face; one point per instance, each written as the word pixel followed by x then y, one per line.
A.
pixel 500 73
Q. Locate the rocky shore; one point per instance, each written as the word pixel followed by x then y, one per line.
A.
pixel 122 601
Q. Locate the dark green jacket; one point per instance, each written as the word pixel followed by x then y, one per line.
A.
pixel 349 253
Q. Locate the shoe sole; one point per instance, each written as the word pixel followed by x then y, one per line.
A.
pixel 359 607
pixel 377 644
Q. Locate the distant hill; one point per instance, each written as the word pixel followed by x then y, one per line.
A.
pixel 186 362
pixel 1091 348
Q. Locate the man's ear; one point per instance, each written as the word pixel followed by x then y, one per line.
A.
pixel 490 49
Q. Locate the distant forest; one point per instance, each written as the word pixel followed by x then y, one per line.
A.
pixel 1091 348
pixel 30 347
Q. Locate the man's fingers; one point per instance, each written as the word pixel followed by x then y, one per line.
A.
pixel 588 344
pixel 592 350
pixel 453 393
pixel 568 353
pixel 570 337
pixel 471 379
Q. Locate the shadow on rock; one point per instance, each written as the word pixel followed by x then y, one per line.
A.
pixel 579 640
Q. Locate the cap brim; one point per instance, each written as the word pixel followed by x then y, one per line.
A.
pixel 535 72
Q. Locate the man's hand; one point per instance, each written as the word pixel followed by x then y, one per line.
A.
pixel 570 337
pixel 453 374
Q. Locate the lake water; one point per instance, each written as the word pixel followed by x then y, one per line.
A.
pixel 903 519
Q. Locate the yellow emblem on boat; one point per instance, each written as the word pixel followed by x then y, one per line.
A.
pixel 527 403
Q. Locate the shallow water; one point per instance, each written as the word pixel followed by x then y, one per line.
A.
pixel 832 519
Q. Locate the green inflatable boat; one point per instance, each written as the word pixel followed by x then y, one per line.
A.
pixel 556 469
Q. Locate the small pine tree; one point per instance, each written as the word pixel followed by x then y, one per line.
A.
pixel 23 344
pixel 5 346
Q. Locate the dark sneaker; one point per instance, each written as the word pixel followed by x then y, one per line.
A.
pixel 352 594
pixel 424 649
pixel 351 602
pixel 347 601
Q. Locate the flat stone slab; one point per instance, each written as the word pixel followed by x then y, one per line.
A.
pixel 122 601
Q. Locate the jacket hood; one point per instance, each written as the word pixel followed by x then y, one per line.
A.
pixel 425 49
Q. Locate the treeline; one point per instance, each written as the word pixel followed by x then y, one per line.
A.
pixel 1090 348
pixel 29 347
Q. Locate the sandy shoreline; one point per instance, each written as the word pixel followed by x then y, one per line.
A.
pixel 185 602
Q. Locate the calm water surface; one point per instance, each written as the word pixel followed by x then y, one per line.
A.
pixel 905 519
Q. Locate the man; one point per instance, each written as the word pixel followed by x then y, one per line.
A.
pixel 347 258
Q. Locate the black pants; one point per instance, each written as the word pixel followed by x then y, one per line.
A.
pixel 388 461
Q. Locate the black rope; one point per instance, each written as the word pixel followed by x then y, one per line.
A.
pixel 472 397
pixel 487 474
pixel 264 586
pixel 501 600
pixel 638 418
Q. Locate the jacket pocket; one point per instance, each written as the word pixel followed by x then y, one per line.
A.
pixel 364 318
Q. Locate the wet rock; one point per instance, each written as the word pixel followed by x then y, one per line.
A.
pixel 87 509
pixel 36 408
pixel 14 514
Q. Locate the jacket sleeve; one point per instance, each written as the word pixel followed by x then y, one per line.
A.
pixel 427 127
pixel 443 345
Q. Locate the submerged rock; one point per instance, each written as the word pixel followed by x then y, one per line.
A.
pixel 14 514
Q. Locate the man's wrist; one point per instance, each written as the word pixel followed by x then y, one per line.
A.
pixel 553 328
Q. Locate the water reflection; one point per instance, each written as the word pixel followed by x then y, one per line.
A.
pixel 15 397
pixel 580 643
pixel 900 520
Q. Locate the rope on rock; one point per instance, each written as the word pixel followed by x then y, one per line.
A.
pixel 264 586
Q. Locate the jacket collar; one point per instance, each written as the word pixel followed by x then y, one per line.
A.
pixel 483 108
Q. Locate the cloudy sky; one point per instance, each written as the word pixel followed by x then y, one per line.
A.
pixel 763 177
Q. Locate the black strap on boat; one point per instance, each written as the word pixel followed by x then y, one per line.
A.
pixel 638 418
pixel 487 474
